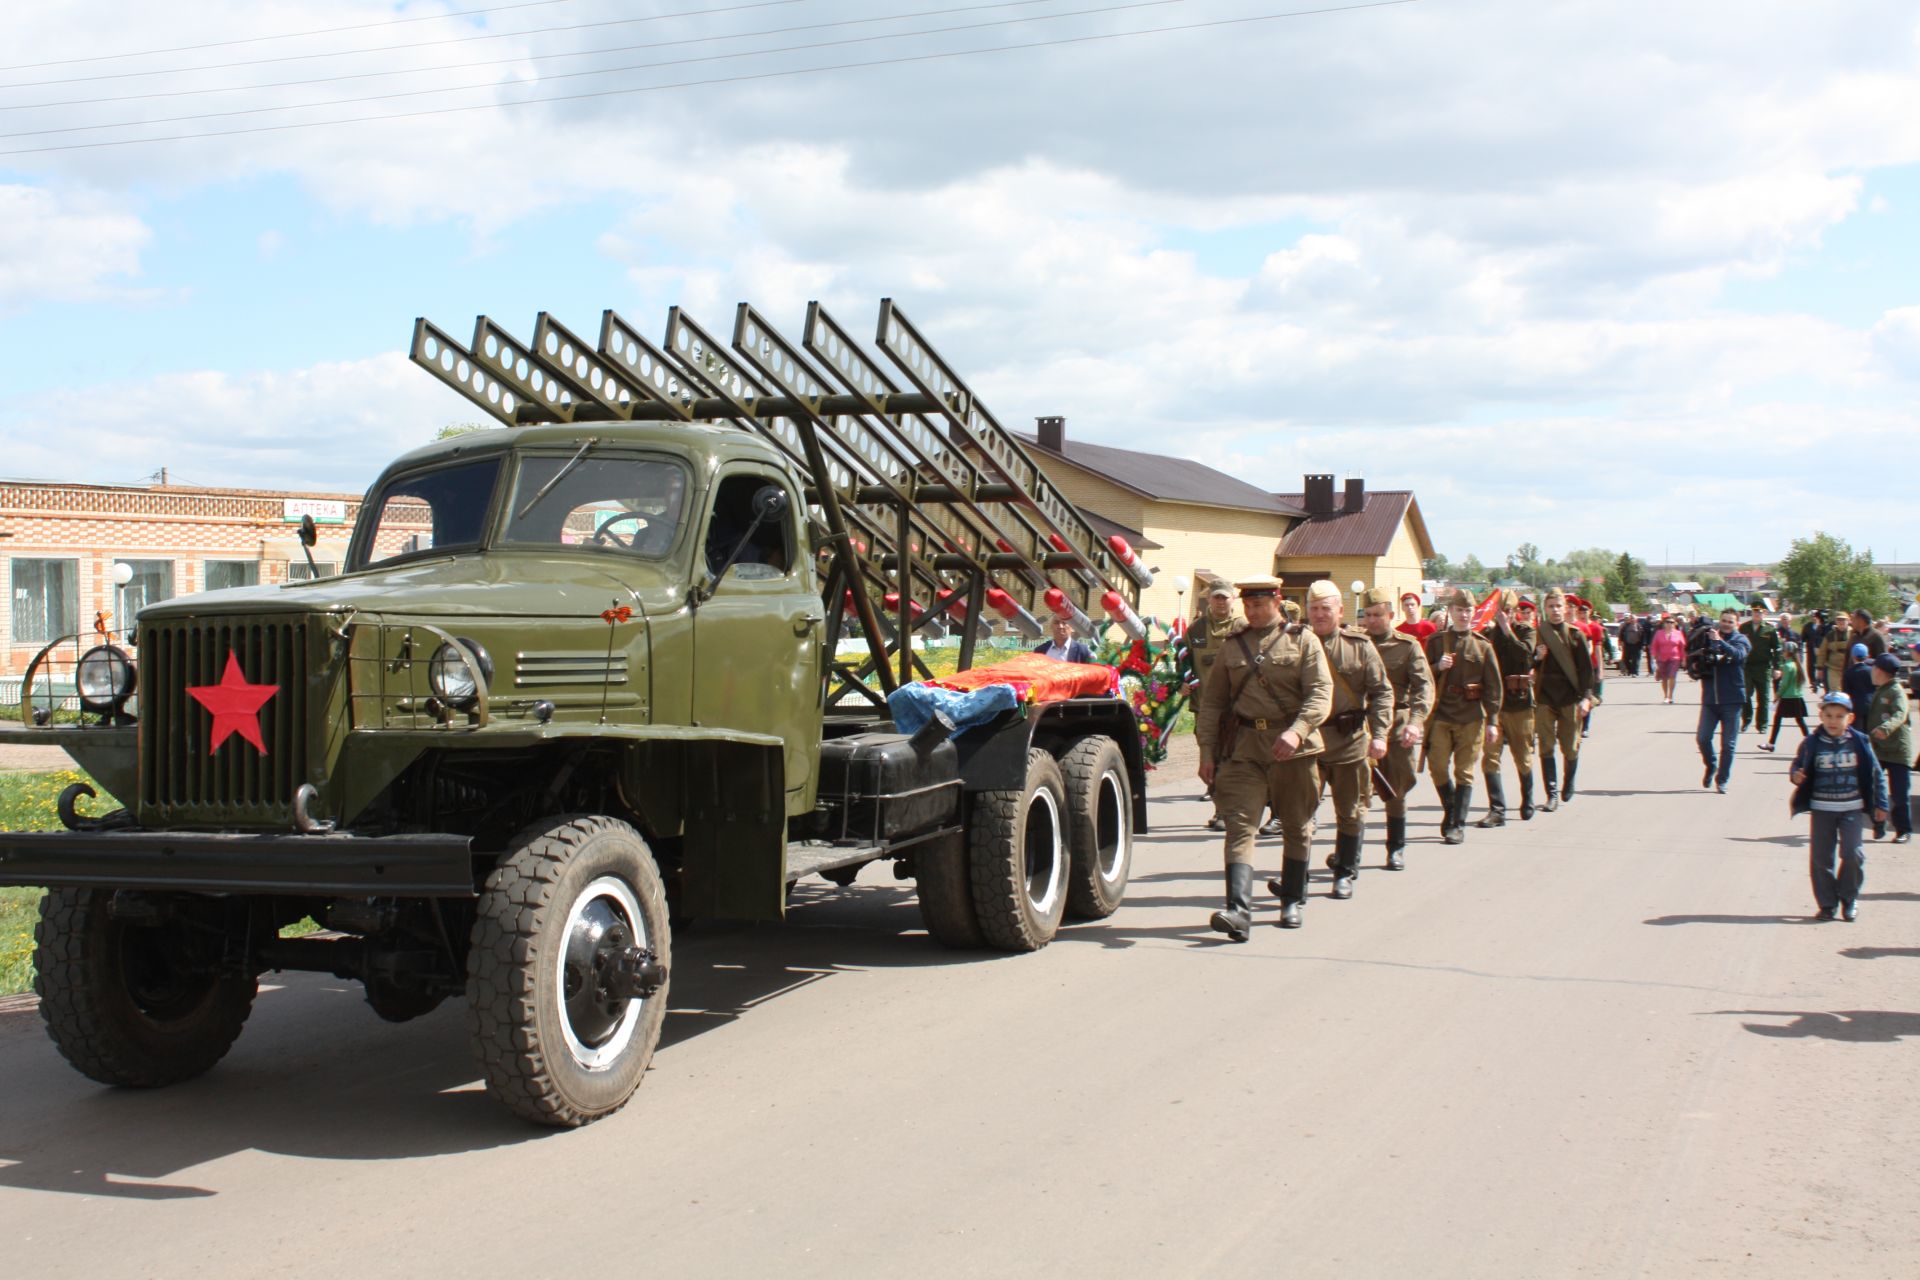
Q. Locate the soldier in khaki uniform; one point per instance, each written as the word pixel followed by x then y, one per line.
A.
pixel 1355 732
pixel 1412 683
pixel 1466 712
pixel 1563 681
pixel 1513 639
pixel 1259 729
pixel 1206 635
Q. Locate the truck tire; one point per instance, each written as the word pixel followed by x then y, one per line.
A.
pixel 942 879
pixel 1017 857
pixel 135 1005
pixel 570 898
pixel 1100 827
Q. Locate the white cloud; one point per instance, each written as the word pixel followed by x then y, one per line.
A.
pixel 65 246
pixel 1896 341
pixel 330 426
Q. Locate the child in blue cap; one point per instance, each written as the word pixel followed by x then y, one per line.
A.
pixel 1837 779
pixel 1858 681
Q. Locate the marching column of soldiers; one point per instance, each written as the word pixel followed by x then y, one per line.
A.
pixel 1287 712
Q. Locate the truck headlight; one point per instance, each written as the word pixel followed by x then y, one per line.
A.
pixel 450 677
pixel 104 678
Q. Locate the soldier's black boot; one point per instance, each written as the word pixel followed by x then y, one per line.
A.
pixel 1346 864
pixel 1496 802
pixel 1396 841
pixel 1526 796
pixel 1550 774
pixel 1445 792
pixel 1462 806
pixel 1293 892
pixel 1573 766
pixel 1236 920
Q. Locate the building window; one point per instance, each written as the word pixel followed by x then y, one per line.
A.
pixel 223 575
pixel 152 582
pixel 297 570
pixel 46 600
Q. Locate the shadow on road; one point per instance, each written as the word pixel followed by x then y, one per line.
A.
pixel 1890 897
pixel 1663 921
pixel 1792 841
pixel 1856 1026
pixel 1879 953
pixel 318 1076
pixel 1645 791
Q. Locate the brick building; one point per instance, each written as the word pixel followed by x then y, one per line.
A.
pixel 60 543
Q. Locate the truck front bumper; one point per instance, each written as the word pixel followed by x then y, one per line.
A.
pixel 411 866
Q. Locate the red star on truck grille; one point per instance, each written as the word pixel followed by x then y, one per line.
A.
pixel 235 705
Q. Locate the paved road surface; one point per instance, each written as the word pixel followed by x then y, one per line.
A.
pixel 1604 1043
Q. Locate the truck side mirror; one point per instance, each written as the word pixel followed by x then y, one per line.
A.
pixel 309 535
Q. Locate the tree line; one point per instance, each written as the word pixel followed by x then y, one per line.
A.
pixel 1820 572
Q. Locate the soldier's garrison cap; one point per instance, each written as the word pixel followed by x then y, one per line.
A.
pixel 1380 595
pixel 1292 609
pixel 1258 587
pixel 1460 596
pixel 1555 594
pixel 1322 589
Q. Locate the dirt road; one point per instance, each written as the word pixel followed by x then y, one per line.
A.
pixel 1607 1042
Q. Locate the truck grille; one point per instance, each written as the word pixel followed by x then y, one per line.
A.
pixel 181 780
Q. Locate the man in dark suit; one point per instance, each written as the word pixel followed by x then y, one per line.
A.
pixel 1063 645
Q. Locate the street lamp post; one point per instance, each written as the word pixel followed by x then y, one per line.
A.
pixel 1358 587
pixel 1180 585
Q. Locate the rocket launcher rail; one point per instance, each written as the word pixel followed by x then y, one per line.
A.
pixel 917 484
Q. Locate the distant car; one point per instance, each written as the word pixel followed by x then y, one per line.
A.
pixel 1902 637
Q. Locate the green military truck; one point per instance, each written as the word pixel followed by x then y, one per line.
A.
pixel 582 677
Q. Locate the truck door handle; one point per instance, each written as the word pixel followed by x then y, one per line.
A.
pixel 805 623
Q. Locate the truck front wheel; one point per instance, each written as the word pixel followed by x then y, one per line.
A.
pixel 1100 821
pixel 135 1004
pixel 567 974
pixel 1017 855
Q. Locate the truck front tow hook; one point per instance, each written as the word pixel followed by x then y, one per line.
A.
pixel 633 974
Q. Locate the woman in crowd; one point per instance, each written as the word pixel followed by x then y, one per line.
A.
pixel 1669 648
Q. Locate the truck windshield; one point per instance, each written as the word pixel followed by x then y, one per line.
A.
pixel 621 502
pixel 442 509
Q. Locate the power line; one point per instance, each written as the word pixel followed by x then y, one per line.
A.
pixel 515 61
pixel 290 35
pixel 417 44
pixel 604 71
pixel 743 78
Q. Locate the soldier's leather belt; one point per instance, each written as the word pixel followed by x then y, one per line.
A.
pixel 1252 723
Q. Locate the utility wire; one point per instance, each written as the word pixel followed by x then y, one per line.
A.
pixel 417 44
pixel 604 71
pixel 516 61
pixel 289 35
pixel 745 77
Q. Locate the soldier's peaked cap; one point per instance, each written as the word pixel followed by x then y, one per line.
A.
pixel 1258 587
pixel 1323 589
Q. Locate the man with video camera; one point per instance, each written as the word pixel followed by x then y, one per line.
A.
pixel 1717 658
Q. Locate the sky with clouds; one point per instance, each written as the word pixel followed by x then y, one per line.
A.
pixel 1628 274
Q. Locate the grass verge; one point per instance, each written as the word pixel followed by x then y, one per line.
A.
pixel 27 803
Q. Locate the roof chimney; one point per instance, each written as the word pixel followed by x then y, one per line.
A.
pixel 1319 495
pixel 1053 433
pixel 1356 493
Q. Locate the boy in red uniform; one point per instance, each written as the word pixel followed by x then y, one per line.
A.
pixel 1412 624
pixel 1597 641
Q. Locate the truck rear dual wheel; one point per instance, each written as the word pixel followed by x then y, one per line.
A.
pixel 1100 826
pixel 1017 858
pixel 561 1039
pixel 132 1004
